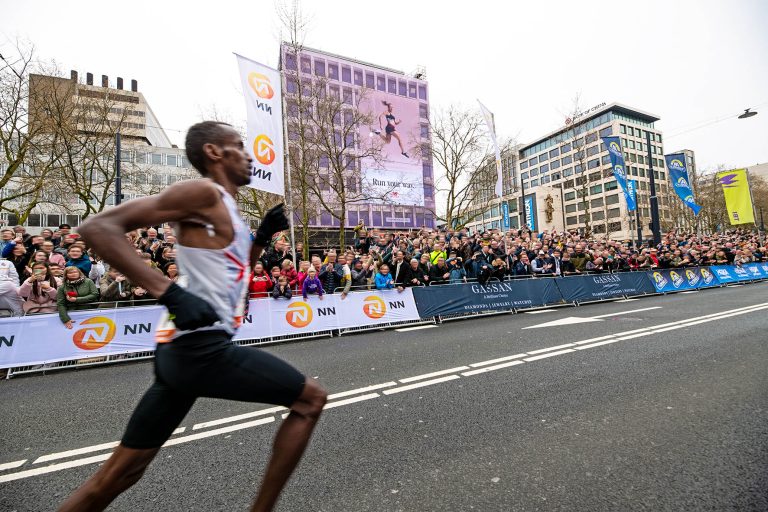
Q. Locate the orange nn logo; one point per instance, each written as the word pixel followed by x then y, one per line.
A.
pixel 299 314
pixel 374 307
pixel 260 85
pixel 264 150
pixel 94 333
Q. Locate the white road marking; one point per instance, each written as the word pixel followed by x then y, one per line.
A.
pixel 551 354
pixel 539 311
pixel 626 312
pixel 492 368
pixel 532 352
pixel 351 400
pixel 689 291
pixel 419 384
pixel 418 327
pixel 569 320
pixel 218 431
pixel 231 419
pixel 626 300
pixel 362 390
pixel 79 451
pixel 179 430
pixel 507 362
pixel 12 465
pixel 497 360
pixel 433 374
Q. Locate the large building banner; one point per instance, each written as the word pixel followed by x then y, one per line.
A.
pixel 392 168
pixel 262 91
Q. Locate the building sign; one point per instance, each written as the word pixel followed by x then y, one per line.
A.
pixel 569 120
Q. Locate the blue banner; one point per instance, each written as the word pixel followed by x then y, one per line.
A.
pixel 619 170
pixel 492 296
pixel 632 190
pixel 678 175
pixel 732 274
pixel 530 211
pixel 681 279
pixel 505 215
pixel 603 286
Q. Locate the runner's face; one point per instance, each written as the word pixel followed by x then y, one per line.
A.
pixel 237 161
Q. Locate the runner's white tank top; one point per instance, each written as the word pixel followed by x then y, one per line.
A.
pixel 218 276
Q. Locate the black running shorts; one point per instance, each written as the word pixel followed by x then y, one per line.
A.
pixel 207 364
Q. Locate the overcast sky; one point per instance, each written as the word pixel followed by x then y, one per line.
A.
pixel 689 62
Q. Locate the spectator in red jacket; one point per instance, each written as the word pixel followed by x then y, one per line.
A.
pixel 261 283
pixel 290 273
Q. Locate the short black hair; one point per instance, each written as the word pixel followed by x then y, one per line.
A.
pixel 207 132
pixel 65 226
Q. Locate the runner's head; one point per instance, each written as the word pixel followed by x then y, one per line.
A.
pixel 216 150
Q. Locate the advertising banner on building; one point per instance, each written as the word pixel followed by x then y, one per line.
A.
pixel 682 279
pixel 43 338
pixel 391 168
pixel 678 175
pixel 738 198
pixel 493 296
pixel 489 123
pixel 619 170
pixel 262 91
pixel 603 286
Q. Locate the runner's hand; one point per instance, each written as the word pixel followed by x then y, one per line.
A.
pixel 188 311
pixel 273 222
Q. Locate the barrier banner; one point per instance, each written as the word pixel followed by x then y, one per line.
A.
pixel 44 339
pixel 681 279
pixel 603 286
pixel 270 317
pixel 468 297
pixel 733 274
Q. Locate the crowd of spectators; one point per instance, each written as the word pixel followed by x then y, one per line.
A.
pixel 56 272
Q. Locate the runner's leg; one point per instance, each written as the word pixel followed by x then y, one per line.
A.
pixel 159 412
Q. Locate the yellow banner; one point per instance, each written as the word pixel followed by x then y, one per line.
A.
pixel 738 200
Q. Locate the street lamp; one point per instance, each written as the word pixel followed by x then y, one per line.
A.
pixel 747 113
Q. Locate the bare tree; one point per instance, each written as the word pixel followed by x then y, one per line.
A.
pixel 460 148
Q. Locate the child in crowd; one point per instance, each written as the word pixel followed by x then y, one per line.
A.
pixel 383 278
pixel 282 288
pixel 312 284
pixel 290 273
pixel 302 275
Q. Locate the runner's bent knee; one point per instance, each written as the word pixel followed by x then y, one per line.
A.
pixel 311 401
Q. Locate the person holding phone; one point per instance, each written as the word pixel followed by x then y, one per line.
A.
pixel 76 292
pixel 39 290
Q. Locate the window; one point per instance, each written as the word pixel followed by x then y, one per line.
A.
pixel 306 65
pixel 544 168
pixel 556 176
pixel 424 131
pixel 157 158
pixel 592 150
pixel 524 176
pixel 346 74
pixel 33 220
pixel 172 160
pixel 392 86
pixel 347 95
pixel 571 220
pixel 412 90
pixel 523 165
pixel 422 92
pixel 593 163
pixel 185 162
pixel 591 137
pixel 545 179
pixel 555 152
pixel 534 172
pixel 358 77
pixel 568 171
pixel 423 111
pixel 570 196
pixel 402 88
pixel 543 158
pixel 319 68
pixel 370 81
pixel 612 199
pixel 565 148
pixel 605 159
pixel 570 208
pixel 534 183
pixel 598 215
pixel 631 131
pixel 623 129
pixel 611 185
pixel 381 83
pixel 333 71
pixel 72 220
pixel 607 131
pixel 533 161
pixel 290 61
pixel 596 202
pixel 567 160
pixel 52 219
pixel 596 189
pixel 125 156
pixel 426 170
pixel 554 164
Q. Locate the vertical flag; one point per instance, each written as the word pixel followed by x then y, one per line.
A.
pixel 632 190
pixel 738 198
pixel 619 171
pixel 530 211
pixel 263 103
pixel 492 132
pixel 678 174
pixel 505 215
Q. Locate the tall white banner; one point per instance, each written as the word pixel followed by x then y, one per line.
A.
pixel 263 94
pixel 488 116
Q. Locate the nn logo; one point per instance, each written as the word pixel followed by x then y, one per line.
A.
pixel 7 341
pixel 264 149
pixel 94 333
pixel 261 85
pixel 299 314
pixel 374 307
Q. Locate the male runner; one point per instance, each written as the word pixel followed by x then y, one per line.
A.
pixel 195 355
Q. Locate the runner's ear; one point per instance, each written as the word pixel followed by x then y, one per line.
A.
pixel 213 152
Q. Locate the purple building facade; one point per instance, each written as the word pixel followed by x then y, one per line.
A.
pixel 388 89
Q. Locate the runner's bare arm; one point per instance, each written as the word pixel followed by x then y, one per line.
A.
pixel 105 232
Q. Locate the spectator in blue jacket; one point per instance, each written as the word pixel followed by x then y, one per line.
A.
pixel 383 278
pixel 312 284
pixel 76 258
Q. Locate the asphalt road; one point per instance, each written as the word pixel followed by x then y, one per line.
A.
pixel 658 404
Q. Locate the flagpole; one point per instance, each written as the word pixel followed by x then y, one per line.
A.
pixel 287 146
